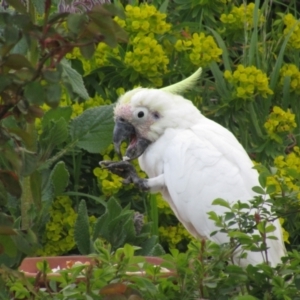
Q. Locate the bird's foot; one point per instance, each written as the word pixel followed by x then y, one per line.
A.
pixel 127 171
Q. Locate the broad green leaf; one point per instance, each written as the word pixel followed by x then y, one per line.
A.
pixel 34 93
pixel 164 6
pixel 81 229
pixel 75 22
pixel 53 94
pixel 52 75
pixel 11 34
pixel 26 242
pixel 39 6
pixel 11 182
pixel 221 202
pixel 259 190
pixel 7 245
pixel 75 79
pixel 54 134
pixel 17 61
pixel 5 80
pixel 105 27
pixel 270 228
pixel 60 178
pixel 239 235
pixel 114 10
pixel 18 5
pixel 55 114
pixel 87 51
pixel 93 129
pixel 263 179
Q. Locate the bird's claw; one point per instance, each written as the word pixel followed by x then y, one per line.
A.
pixel 127 171
pixel 121 168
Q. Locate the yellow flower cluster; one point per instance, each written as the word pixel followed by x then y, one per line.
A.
pixel 59 235
pixel 248 81
pixel 292 26
pixel 148 58
pixel 202 49
pixel 174 235
pixel 163 206
pixel 240 17
pixel 279 121
pixel 292 71
pixel 100 57
pixel 144 19
pixel 58 238
pixel 110 183
pixel 283 176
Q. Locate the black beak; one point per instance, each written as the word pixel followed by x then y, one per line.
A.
pixel 124 131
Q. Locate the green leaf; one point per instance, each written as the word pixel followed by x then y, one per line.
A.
pixel 221 202
pixel 52 75
pixel 271 189
pixel 7 246
pixel 270 228
pixel 34 93
pixel 60 178
pixel 87 51
pixel 55 114
pixel 75 22
pixel 54 134
pixel 263 179
pixel 93 129
pixel 259 190
pixel 17 61
pixel 11 183
pixel 99 199
pixel 39 6
pixel 11 34
pixel 53 94
pixel 75 79
pixel 164 6
pixel 81 229
pixel 239 235
pixel 5 80
pixel 18 5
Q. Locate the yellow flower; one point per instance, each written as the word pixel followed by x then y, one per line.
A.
pixel 201 49
pixel 292 71
pixel 240 18
pixel 279 121
pixel 248 82
pixel 293 28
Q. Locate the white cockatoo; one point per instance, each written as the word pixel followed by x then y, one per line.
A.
pixel 190 159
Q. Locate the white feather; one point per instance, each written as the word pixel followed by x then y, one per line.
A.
pixel 182 86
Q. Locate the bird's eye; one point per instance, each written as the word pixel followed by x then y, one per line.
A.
pixel 140 114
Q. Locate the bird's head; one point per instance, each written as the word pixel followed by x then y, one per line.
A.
pixel 142 115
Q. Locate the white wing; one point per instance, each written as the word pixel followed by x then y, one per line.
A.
pixel 199 165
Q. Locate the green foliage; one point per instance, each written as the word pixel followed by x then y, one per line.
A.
pixel 117 227
pixel 35 74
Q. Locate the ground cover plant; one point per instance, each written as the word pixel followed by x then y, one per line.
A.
pixel 62 68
